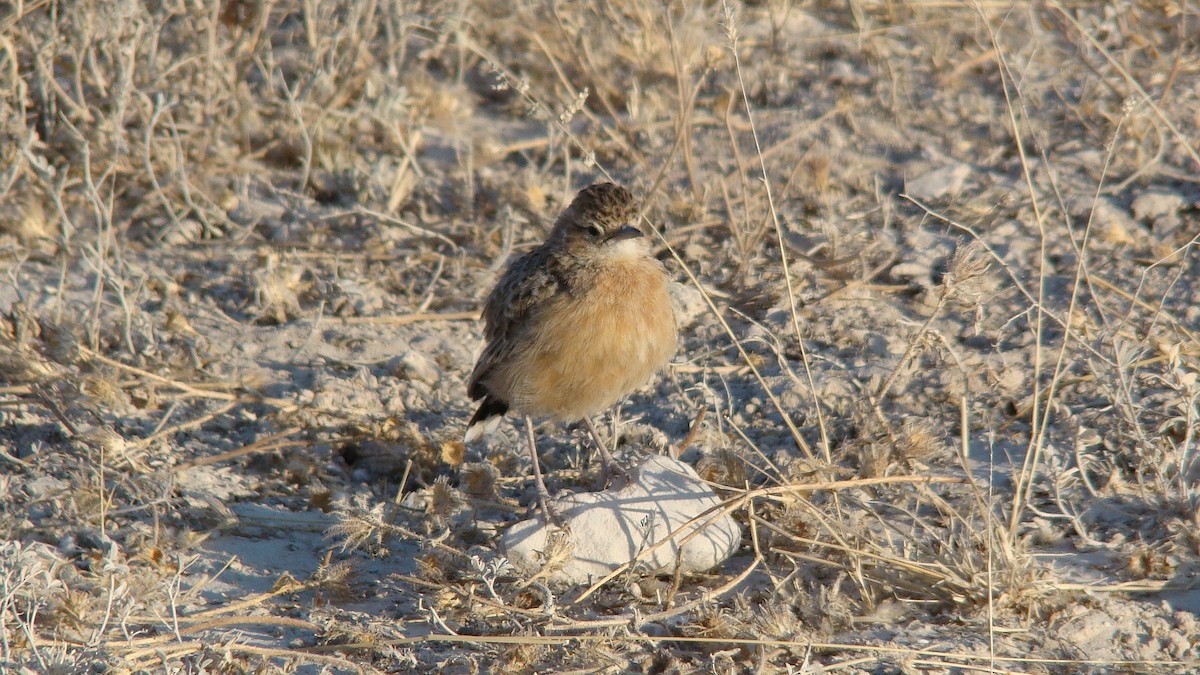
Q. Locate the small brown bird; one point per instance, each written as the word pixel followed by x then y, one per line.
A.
pixel 575 324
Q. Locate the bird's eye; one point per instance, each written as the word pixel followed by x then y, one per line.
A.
pixel 593 231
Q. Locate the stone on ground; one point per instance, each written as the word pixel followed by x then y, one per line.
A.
pixel 608 529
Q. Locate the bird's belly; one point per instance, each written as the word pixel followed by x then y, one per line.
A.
pixel 600 345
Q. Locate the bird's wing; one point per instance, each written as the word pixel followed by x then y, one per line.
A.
pixel 511 309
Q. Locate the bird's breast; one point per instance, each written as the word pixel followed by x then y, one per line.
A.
pixel 599 342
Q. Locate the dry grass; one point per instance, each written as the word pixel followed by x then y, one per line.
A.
pixel 943 257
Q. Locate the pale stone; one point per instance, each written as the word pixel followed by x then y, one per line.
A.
pixel 608 529
pixel 941 182
pixel 688 303
pixel 416 366
pixel 1157 204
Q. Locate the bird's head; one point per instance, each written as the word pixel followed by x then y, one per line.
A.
pixel 600 221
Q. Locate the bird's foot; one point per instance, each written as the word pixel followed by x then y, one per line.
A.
pixel 550 513
pixel 612 474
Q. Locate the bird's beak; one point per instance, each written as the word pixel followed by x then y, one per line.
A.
pixel 626 232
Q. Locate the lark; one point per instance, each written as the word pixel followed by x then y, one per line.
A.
pixel 575 324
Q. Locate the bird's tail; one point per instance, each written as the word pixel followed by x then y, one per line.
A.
pixel 486 418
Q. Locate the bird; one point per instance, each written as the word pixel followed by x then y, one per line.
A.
pixel 575 324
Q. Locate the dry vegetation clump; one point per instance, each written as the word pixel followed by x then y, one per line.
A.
pixel 941 319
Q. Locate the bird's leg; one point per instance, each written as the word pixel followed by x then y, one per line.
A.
pixel 610 469
pixel 543 495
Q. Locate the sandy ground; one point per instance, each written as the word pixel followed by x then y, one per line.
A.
pixel 947 380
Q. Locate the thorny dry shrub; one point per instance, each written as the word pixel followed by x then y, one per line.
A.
pixel 1020 324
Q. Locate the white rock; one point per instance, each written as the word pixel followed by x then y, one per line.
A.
pixel 183 232
pixel 608 529
pixel 942 181
pixel 1154 204
pixel 1110 221
pixel 414 365
pixel 688 303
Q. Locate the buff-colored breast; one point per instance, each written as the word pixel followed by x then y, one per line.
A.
pixel 586 350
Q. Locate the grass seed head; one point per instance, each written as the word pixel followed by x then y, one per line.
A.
pixel 478 479
pixel 444 500
pixel 966 271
